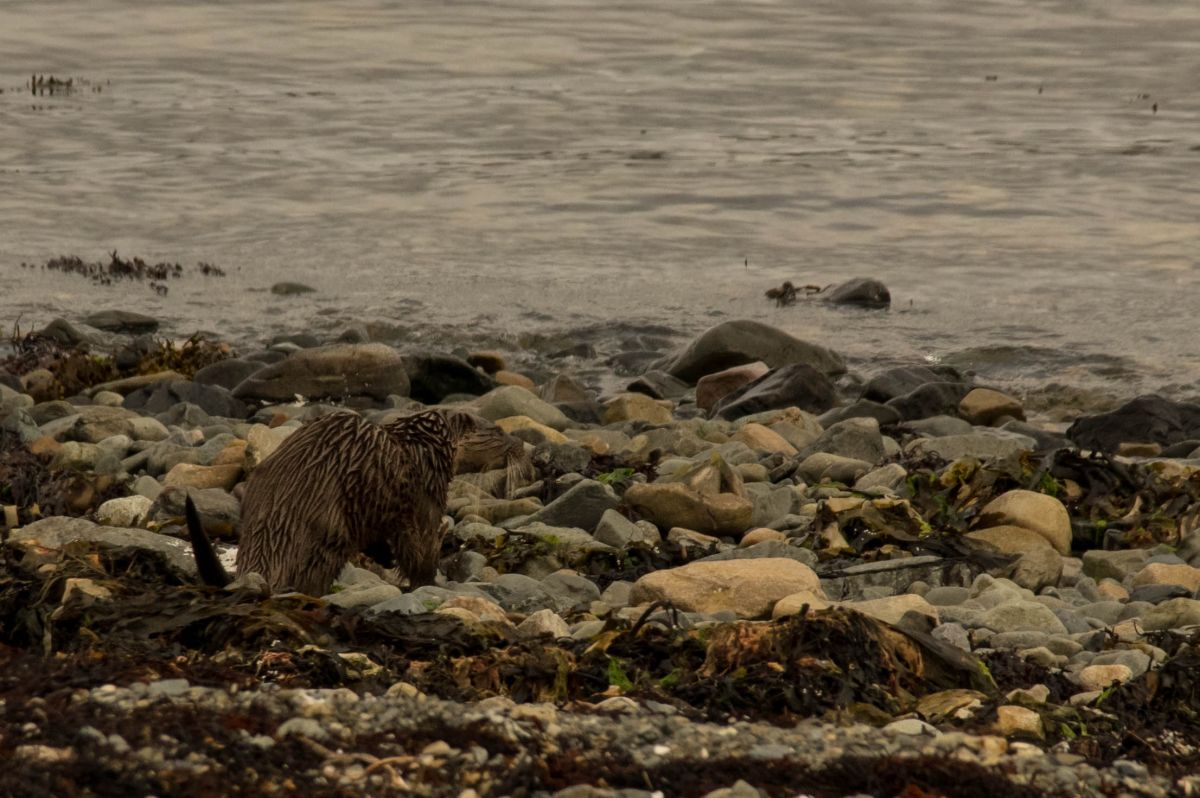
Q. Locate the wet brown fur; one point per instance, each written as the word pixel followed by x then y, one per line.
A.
pixel 340 486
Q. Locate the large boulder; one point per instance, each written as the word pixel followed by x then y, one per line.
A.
pixel 433 377
pixel 57 533
pixel 674 504
pixel 1146 419
pixel 509 400
pixel 1038 512
pixel 749 588
pixel 734 343
pixel 905 379
pixel 227 373
pixel 794 385
pixel 330 372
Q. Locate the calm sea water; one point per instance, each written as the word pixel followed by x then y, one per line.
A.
pixel 1023 174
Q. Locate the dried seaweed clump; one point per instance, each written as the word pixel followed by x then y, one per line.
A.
pixel 118 269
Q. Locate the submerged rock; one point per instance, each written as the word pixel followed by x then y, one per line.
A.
pixel 1146 419
pixel 734 343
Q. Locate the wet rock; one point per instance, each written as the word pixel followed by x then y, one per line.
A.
pixel 73 334
pixel 509 400
pixel 658 385
pixel 795 385
pixel 1035 511
pixel 983 406
pixel 530 431
pixel 163 396
pixel 504 377
pixel 931 399
pixel 58 532
pixel 563 388
pixel 122 321
pixel 861 291
pixel 1146 419
pixel 365 596
pixel 636 407
pixel 673 504
pixel 711 388
pixel 1045 440
pixel 734 343
pixel 750 588
pixel 291 289
pixel 338 371
pixel 581 506
pixel 896 382
pixel 433 377
pixel 617 531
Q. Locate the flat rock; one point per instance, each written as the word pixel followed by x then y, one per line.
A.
pixel 855 438
pixel 982 445
pixel 794 385
pixel 765 439
pixel 821 466
pixel 1099 564
pixel 749 588
pixel 189 475
pixel 1018 616
pixel 1043 514
pixel 330 372
pixel 674 504
pixel 636 407
pixel 58 532
pixel 122 321
pixel 526 429
pixel 1098 677
pixel 1171 614
pixel 734 343
pixel 892 608
pixel 863 408
pixel 1009 539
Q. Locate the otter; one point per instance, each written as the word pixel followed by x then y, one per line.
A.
pixel 340 486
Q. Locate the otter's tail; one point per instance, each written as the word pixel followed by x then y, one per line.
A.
pixel 207 563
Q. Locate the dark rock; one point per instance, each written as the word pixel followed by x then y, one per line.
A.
pixel 632 362
pixel 733 343
pixel 1157 594
pixel 291 289
pixel 125 321
pixel 184 414
pixel 219 510
pixel 581 506
pixel 354 334
pixel 863 408
pixel 659 385
pixel 794 385
pixel 581 350
pixel 856 438
pixel 931 399
pixel 45 412
pixel 1181 449
pixel 161 397
pixel 11 381
pixel 863 291
pixel 339 371
pixel 906 379
pixel 68 334
pixel 582 412
pixel 266 356
pixel 434 377
pixel 1146 419
pixel 227 373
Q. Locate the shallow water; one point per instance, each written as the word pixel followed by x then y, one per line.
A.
pixel 508 169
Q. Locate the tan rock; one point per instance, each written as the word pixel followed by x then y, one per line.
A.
pixel 41 385
pixel 791 603
pixel 1013 719
pixel 1161 573
pixel 1098 677
pixel 1009 539
pixel 1037 511
pixel 759 535
pixel 45 447
pixel 750 588
pixel 482 608
pixel 1139 449
pixel 562 388
pixel 982 406
pixel 756 436
pixel 673 504
pixel 497 510
pixel 261 443
pixel 128 385
pixel 713 387
pixel 490 361
pixel 637 407
pixel 514 423
pixel 1110 588
pixel 593 443
pixel 505 377
pixel 892 608
pixel 189 475
pixel 678 534
pixel 233 454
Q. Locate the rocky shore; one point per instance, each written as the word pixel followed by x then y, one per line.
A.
pixel 747 572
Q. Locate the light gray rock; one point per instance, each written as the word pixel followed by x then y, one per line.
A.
pixel 570 591
pixel 1137 661
pixel 1099 564
pixel 952 633
pixel 767 548
pixel 982 445
pixel 147 486
pixel 939 426
pixel 57 532
pixel 364 597
pixel 518 593
pixel 619 532
pixel 889 477
pixel 543 623
pixel 855 438
pixel 770 502
pixel 822 466
pixel 510 400
pixel 1023 616
pixel 128 511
